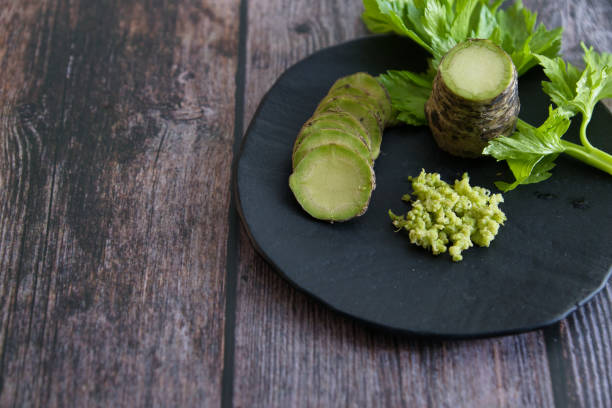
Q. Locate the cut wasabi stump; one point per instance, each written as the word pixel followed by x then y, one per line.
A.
pixel 334 152
pixel 474 98
pixel 452 218
pixel 333 183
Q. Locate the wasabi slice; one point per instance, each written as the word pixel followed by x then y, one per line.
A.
pixel 368 85
pixel 333 183
pixel 355 106
pixel 332 136
pixel 334 152
pixel 333 120
pixel 361 97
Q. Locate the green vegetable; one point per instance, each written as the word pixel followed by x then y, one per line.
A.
pixel 452 218
pixel 365 85
pixel 474 98
pixel 333 120
pixel 364 112
pixel 333 183
pixel 320 137
pixel 531 151
pixel 334 152
pixel 439 25
pixel 409 93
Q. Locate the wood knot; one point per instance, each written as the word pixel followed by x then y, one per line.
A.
pixel 302 28
pixel 26 111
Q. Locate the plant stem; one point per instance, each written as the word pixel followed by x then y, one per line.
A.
pixel 585 141
pixel 583 137
pixel 590 155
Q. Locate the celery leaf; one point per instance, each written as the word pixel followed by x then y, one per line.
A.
pixel 530 152
pixel 409 93
pixel 578 91
pixel 439 25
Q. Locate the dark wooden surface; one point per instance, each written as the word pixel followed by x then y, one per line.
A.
pixel 125 276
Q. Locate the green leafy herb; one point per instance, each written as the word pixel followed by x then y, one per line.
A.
pixel 516 32
pixel 530 152
pixel 436 25
pixel 439 25
pixel 408 92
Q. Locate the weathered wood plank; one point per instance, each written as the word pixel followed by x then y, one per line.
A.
pixel 291 351
pixel 586 347
pixel 115 132
pixel 587 21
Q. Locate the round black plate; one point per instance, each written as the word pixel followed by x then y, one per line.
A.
pixel 554 253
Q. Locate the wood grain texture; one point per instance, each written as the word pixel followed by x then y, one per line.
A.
pixel 587 21
pixel 586 347
pixel 115 144
pixel 115 133
pixel 291 351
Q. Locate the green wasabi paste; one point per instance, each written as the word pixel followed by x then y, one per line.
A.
pixel 443 215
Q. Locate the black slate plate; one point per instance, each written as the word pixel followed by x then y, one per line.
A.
pixel 554 253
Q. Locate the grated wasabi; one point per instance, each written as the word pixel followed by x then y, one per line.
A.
pixel 460 215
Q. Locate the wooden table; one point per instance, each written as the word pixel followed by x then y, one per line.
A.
pixel 126 278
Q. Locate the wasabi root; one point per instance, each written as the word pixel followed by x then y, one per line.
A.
pixel 450 218
pixel 334 152
pixel 333 120
pixel 320 137
pixel 333 183
pixel 474 98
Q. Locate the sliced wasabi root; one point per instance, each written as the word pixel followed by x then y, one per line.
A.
pixel 474 98
pixel 327 136
pixel 370 118
pixel 333 183
pixel 334 152
pixel 365 84
pixel 332 120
